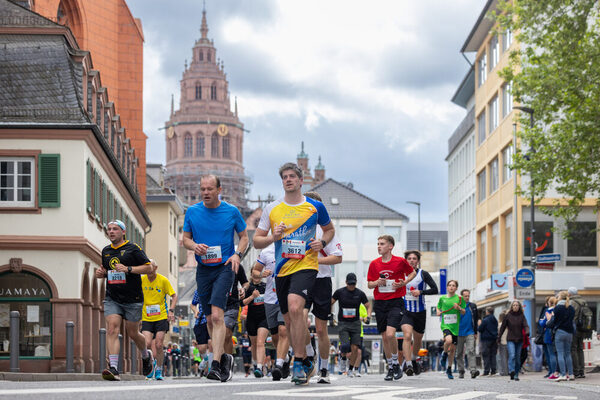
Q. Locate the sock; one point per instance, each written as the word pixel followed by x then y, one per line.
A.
pixel 395 358
pixel 306 362
pixel 145 353
pixel 324 362
pixel 344 358
pixel 259 367
pixel 114 360
pixel 211 357
pixel 279 362
pixel 350 368
pixel 389 361
pixel 310 351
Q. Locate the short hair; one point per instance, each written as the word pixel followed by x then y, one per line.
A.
pixel 211 176
pixel 450 281
pixel 415 252
pixel 291 166
pixel 387 238
pixel 314 196
pixel 462 292
pixel 489 310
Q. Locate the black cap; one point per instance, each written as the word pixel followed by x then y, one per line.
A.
pixel 351 278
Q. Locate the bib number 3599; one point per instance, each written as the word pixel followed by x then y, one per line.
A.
pixel 293 248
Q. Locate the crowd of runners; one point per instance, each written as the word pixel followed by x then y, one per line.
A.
pixel 291 278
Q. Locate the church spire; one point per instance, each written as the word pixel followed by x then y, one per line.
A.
pixel 204 28
pixel 172 105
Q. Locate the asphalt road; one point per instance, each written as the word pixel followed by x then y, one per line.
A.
pixel 428 386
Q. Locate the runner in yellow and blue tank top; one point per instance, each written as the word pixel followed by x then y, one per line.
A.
pixel 293 222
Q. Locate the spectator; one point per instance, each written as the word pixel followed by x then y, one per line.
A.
pixel 432 349
pixel 503 348
pixel 514 323
pixel 577 302
pixel 488 330
pixel 562 323
pixel 549 349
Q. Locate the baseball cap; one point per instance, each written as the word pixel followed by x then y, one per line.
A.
pixel 351 278
pixel 572 290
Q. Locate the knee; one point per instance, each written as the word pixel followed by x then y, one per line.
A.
pixel 295 308
pixel 112 329
pixel 390 335
pixel 216 319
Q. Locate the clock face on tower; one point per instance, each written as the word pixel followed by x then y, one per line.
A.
pixel 222 130
pixel 170 132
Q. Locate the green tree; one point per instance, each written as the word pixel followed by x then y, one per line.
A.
pixel 555 70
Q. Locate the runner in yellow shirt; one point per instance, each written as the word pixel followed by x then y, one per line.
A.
pixel 155 315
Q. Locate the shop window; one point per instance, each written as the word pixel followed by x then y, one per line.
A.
pixel 30 296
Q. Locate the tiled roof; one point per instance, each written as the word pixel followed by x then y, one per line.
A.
pixel 351 203
pixel 39 80
pixel 14 15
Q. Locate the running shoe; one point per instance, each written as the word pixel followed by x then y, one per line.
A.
pixel 323 376
pixel 258 373
pixel 397 371
pixel 356 374
pixel 285 370
pixel 461 375
pixel 151 375
pixel 390 375
pixel 417 366
pixel 276 373
pixel 512 375
pixel 111 374
pixel 158 375
pixel 309 370
pixel 561 378
pixel 298 374
pixel 570 377
pixel 214 374
pixel 350 373
pixel 148 365
pixel 449 373
pixel 474 374
pixel 409 369
pixel 226 367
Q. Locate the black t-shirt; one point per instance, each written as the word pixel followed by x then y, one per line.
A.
pixel 350 301
pixel 124 287
pixel 245 342
pixel 256 308
pixel 233 300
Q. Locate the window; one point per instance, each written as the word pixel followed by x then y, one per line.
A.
pixel 582 240
pixel 208 56
pixel 199 145
pixel 508 244
pixel 481 127
pixel 507 159
pixel 370 235
pixel 347 234
pixel 481 186
pixel 494 52
pixel 214 145
pixel 431 245
pixel 544 238
pixel 507 39
pixel 482 69
pixel 495 250
pixel 17 179
pixel 201 55
pixel 187 145
pixel 494 175
pixel 198 91
pixel 482 255
pixel 225 144
pixel 213 91
pixel 493 114
pixel 507 99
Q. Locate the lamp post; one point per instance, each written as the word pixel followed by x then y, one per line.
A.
pixel 532 244
pixel 419 221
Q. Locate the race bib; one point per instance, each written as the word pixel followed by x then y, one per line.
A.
pixel 409 296
pixel 213 255
pixel 349 312
pixel 259 300
pixel 388 288
pixel 450 319
pixel 116 277
pixel 293 248
pixel 153 309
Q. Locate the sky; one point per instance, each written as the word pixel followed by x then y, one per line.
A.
pixel 366 85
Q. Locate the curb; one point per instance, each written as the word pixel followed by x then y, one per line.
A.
pixel 47 377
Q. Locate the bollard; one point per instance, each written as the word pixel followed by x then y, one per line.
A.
pixel 14 341
pixel 70 327
pixel 102 349
pixel 120 367
pixel 133 357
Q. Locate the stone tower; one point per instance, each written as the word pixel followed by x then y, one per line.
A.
pixel 205 136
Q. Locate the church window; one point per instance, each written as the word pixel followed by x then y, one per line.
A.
pixel 208 56
pixel 187 145
pixel 213 91
pixel 201 55
pixel 226 153
pixel 214 145
pixel 198 91
pixel 200 145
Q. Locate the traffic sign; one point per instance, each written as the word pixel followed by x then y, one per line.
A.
pixel 524 277
pixel 524 293
pixel 443 278
pixel 547 258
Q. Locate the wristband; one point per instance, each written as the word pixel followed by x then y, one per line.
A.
pixel 171 310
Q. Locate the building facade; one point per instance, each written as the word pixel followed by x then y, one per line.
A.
pixel 204 136
pixel 434 244
pixel 66 169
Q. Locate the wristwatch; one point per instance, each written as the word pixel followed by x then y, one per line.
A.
pixel 239 254
pixel 324 243
pixel 129 269
pixel 171 310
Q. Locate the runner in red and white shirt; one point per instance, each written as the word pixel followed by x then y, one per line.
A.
pixel 388 275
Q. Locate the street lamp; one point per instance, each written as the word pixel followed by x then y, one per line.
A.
pixel 416 203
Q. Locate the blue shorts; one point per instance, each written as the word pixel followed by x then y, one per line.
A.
pixel 214 284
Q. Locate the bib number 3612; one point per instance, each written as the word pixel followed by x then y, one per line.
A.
pixel 293 248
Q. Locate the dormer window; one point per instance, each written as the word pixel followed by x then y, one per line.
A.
pixel 335 201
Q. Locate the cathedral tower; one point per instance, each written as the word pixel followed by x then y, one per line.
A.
pixel 205 136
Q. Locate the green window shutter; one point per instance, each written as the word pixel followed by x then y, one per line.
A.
pixel 49 180
pixel 88 185
pixel 96 195
pixel 111 206
pixel 104 204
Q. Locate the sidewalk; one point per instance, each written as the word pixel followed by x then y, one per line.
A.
pixel 591 379
pixel 45 377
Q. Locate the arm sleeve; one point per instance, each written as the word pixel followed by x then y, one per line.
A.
pixel 140 256
pixel 503 327
pixel 363 298
pixel 334 248
pixel 432 286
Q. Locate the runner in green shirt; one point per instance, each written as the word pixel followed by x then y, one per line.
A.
pixel 450 308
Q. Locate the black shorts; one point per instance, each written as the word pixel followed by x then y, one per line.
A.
pixel 446 332
pixel 155 326
pixel 271 353
pixel 201 332
pixel 388 313
pixel 320 298
pixel 415 319
pixel 252 326
pixel 247 357
pixel 300 283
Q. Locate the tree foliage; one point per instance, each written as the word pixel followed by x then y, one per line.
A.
pixel 555 70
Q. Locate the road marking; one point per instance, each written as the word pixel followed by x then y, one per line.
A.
pixel 516 396
pixel 395 392
pixel 318 391
pixel 117 387
pixel 462 396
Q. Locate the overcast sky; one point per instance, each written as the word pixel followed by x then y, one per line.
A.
pixel 365 84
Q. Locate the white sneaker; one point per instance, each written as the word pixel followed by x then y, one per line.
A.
pixel 350 373
pixel 357 374
pixel 561 378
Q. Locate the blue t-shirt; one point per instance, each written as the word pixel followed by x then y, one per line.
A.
pixel 465 327
pixel 214 227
